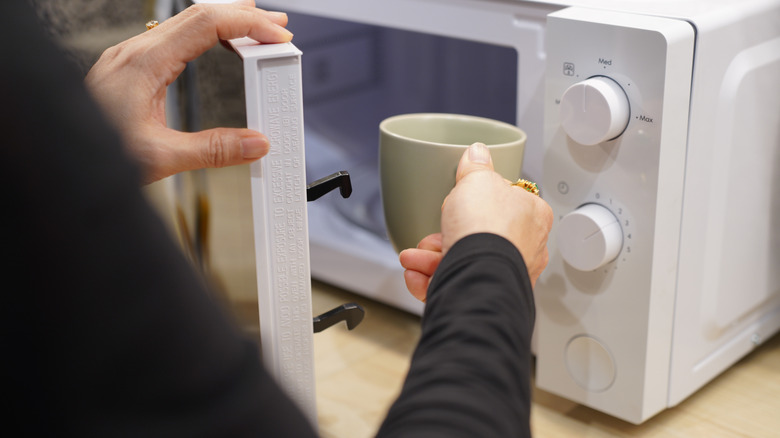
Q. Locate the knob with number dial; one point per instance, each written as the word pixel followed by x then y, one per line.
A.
pixel 594 111
pixel 589 237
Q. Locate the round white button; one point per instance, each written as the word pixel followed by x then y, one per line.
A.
pixel 589 363
pixel 589 237
pixel 594 110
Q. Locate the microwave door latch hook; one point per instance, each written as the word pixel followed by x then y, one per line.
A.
pixel 351 313
pixel 322 186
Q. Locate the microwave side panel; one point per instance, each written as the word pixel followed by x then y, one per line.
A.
pixel 729 283
pixel 604 335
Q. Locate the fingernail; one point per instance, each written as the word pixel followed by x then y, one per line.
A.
pixel 479 153
pixel 254 147
pixel 284 30
pixel 277 14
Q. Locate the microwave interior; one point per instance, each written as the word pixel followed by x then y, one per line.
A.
pixel 356 75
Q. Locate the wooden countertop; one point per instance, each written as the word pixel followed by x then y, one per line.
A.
pixel 359 373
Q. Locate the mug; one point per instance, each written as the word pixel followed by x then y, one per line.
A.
pixel 418 159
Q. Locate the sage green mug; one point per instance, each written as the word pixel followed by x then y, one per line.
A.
pixel 418 158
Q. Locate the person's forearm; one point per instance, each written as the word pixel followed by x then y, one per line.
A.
pixel 470 375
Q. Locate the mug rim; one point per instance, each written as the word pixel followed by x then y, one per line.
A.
pixel 383 128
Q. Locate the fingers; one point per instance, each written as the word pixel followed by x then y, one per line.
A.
pixel 417 284
pixel 213 148
pixel 420 260
pixel 203 25
pixel 431 242
pixel 426 257
pixel 130 81
pixel 475 158
pixel 420 264
pixel 223 147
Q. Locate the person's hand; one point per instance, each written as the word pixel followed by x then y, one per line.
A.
pixel 420 263
pixel 482 202
pixel 130 80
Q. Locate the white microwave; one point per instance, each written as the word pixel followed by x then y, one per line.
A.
pixel 653 129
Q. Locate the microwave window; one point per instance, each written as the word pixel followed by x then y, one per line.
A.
pixel 355 75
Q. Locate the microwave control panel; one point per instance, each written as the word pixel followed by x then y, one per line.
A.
pixel 617 90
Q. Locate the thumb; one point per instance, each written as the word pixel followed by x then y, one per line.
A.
pixel 165 152
pixel 475 158
pixel 222 147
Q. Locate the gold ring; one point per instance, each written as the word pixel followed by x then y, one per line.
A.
pixel 151 24
pixel 528 185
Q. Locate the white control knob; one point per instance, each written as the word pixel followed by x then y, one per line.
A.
pixel 589 237
pixel 594 111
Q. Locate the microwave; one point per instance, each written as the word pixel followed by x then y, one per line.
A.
pixel 653 131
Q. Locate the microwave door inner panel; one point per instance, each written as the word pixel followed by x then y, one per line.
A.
pixel 274 106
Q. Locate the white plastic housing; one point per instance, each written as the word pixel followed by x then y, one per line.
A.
pixel 604 335
pixel 274 105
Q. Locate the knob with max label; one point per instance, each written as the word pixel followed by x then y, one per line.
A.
pixel 594 111
pixel 589 237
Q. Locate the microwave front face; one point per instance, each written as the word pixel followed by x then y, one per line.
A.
pixel 606 307
pixel 598 327
pixel 616 107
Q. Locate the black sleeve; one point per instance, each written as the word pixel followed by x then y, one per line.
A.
pixel 470 374
pixel 106 329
